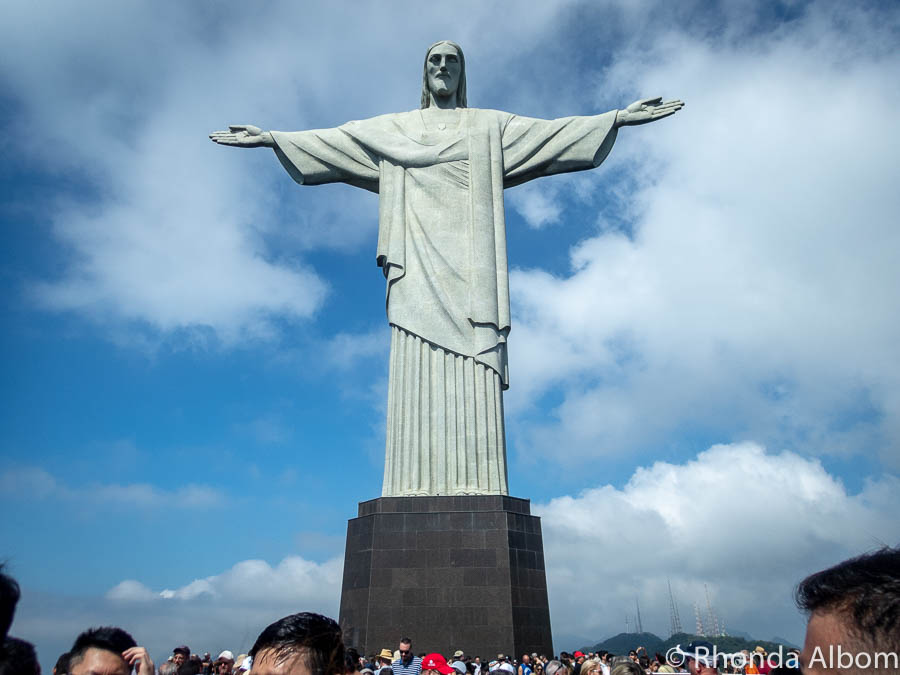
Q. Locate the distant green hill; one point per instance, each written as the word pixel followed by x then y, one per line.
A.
pixel 625 642
pixel 725 643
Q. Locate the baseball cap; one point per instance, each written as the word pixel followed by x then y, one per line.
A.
pixel 459 667
pixel 578 654
pixel 700 650
pixel 436 662
pixel 183 649
pixel 225 656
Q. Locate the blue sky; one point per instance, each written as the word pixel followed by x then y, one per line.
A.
pixel 704 375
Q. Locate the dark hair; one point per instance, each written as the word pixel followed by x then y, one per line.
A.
pixel 406 641
pixel 351 660
pixel 18 657
pixel 62 664
pixel 110 638
pixel 9 598
pixel 190 667
pixel 316 638
pixel 461 100
pixel 865 592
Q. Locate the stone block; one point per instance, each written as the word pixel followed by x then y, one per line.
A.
pixel 455 571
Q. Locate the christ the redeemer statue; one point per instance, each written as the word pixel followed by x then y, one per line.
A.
pixel 440 172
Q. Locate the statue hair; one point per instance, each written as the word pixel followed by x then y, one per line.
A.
pixel 461 101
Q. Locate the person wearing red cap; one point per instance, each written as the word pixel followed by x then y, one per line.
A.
pixel 579 659
pixel 435 663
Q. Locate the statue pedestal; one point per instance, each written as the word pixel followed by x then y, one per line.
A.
pixel 464 572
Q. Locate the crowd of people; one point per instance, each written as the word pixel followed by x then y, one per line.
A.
pixel 853 606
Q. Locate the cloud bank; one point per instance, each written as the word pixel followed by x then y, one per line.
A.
pixel 748 289
pixel 743 522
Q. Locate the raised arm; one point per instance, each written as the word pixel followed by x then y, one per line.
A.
pixel 243 136
pixel 647 110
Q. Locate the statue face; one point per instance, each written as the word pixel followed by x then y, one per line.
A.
pixel 443 70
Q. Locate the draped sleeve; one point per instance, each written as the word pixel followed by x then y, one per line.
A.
pixel 321 156
pixel 534 147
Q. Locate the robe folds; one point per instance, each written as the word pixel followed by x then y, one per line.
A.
pixel 442 249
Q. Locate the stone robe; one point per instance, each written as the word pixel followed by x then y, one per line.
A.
pixel 442 248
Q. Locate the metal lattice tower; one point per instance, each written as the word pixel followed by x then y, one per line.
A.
pixel 640 626
pixel 711 618
pixel 700 631
pixel 674 619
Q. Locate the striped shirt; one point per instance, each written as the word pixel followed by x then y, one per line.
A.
pixel 414 667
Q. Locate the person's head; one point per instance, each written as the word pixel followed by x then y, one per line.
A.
pixel 351 660
pixel 386 657
pixel 224 662
pixel 299 644
pixel 62 664
pixel 855 604
pixel 405 649
pixel 435 664
pixel 699 657
pixel 590 666
pixel 526 659
pixel 626 667
pixel 193 666
pixel 444 74
pixel 180 655
pixel 9 598
pixel 18 657
pixel 556 667
pixel 99 650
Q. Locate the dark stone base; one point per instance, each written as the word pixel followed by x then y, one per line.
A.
pixel 451 573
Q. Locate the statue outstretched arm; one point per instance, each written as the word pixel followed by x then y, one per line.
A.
pixel 243 136
pixel 647 110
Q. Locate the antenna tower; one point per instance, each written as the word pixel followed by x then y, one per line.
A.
pixel 637 606
pixel 700 631
pixel 712 619
pixel 674 619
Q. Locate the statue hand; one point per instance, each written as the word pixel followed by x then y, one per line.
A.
pixel 243 136
pixel 647 110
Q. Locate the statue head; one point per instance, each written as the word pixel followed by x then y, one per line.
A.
pixel 440 83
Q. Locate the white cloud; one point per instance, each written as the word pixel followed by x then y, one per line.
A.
pixel 345 350
pixel 537 203
pixel 224 611
pixel 31 483
pixel 165 233
pixel 747 523
pixel 756 298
